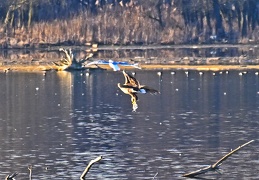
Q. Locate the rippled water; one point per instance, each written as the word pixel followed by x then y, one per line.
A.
pixel 59 121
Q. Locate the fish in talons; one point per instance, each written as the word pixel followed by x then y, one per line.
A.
pixel 134 107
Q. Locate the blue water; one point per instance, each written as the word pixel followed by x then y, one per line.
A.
pixel 58 121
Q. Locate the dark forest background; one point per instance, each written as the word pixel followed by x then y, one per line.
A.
pixel 33 23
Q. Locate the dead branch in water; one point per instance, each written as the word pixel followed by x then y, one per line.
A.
pixel 70 62
pixel 155 175
pixel 215 166
pixel 30 172
pixel 89 166
pixel 11 177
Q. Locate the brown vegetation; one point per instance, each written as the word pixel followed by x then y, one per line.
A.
pixel 27 23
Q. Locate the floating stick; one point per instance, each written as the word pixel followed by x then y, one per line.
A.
pixel 89 166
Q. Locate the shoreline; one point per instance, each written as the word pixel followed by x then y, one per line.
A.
pixel 28 62
pixel 39 68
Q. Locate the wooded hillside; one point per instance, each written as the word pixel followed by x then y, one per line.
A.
pixel 33 23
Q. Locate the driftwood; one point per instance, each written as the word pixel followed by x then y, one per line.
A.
pixel 89 166
pixel 11 177
pixel 215 166
pixel 155 176
pixel 30 172
pixel 70 62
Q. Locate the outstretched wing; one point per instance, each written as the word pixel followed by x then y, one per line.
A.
pixel 129 79
pixel 136 65
pixel 99 62
pixel 129 88
pixel 148 90
pixel 114 65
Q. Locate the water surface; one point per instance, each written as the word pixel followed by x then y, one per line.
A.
pixel 59 121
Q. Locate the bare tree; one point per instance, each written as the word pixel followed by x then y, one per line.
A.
pixel 70 62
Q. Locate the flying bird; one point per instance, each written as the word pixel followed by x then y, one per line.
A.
pixel 113 64
pixel 132 87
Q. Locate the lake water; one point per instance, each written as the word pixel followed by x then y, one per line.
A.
pixel 59 121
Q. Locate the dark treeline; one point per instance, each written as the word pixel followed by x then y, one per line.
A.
pixel 77 22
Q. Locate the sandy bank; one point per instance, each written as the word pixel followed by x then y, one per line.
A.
pixel 35 68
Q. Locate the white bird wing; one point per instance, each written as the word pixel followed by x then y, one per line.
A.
pixel 136 66
pixel 114 66
pixel 97 62
pixel 127 64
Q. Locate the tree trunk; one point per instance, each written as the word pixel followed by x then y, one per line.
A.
pixel 7 17
pixel 30 14
pixel 220 32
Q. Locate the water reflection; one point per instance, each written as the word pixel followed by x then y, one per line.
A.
pixel 59 121
pixel 216 54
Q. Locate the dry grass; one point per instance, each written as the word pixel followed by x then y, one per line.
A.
pixel 123 26
pixel 114 25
